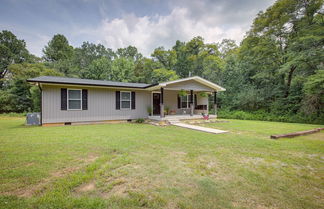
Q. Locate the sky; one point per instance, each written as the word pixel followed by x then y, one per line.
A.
pixel 146 24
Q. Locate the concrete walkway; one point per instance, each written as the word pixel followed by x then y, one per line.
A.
pixel 198 128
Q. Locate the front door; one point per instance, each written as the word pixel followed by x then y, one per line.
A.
pixel 156 104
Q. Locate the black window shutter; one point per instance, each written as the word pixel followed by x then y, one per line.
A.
pixel 133 100
pixel 195 101
pixel 84 99
pixel 63 99
pixel 179 104
pixel 117 100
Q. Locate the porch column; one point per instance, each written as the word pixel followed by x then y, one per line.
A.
pixel 191 103
pixel 161 104
pixel 215 103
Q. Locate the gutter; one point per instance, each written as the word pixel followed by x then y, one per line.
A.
pixel 41 103
pixel 87 84
pixel 155 84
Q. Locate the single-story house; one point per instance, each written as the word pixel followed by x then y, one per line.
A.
pixel 73 100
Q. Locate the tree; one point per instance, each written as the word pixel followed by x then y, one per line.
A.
pixel 227 47
pixel 283 48
pixel 166 57
pixel 189 59
pixel 212 68
pixel 162 75
pixel 129 52
pixel 59 55
pixel 144 69
pixel 122 69
pixel 12 50
pixel 87 53
pixel 58 49
pixel 18 95
pixel 98 69
pixel 314 94
pixel 181 66
pixel 25 71
pixel 288 25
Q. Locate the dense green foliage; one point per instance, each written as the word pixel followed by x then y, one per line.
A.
pixel 268 116
pixel 277 68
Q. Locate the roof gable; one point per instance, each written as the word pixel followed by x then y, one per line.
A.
pixel 191 82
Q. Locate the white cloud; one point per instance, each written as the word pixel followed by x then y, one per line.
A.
pixel 147 33
pixel 36 43
pixel 120 24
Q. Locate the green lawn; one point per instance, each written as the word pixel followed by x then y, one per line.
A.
pixel 144 166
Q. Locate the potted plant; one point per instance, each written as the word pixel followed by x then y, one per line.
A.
pixel 149 110
pixel 166 110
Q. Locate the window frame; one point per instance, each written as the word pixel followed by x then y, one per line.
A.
pixel 122 100
pixel 188 101
pixel 68 99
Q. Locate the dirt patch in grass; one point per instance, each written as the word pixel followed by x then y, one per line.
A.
pixel 120 188
pixel 29 191
pixel 86 187
pixel 91 158
pixel 247 203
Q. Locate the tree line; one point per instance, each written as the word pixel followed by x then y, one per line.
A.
pixel 276 70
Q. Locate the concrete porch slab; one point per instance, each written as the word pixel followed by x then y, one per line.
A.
pixel 178 117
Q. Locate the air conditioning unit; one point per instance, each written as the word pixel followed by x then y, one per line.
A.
pixel 33 118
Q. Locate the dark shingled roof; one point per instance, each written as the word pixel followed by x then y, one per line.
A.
pixel 89 82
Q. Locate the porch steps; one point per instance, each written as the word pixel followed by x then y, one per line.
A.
pixel 197 128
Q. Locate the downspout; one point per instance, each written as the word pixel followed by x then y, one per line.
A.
pixel 41 103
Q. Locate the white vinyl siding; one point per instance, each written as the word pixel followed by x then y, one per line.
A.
pixel 101 106
pixel 74 99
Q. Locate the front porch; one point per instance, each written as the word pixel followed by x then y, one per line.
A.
pixel 183 99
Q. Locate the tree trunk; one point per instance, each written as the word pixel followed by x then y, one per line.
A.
pixel 3 74
pixel 290 74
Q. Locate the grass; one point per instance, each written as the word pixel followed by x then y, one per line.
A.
pixel 144 166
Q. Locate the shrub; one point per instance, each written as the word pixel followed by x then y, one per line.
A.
pixel 14 114
pixel 268 116
pixel 166 110
pixel 139 120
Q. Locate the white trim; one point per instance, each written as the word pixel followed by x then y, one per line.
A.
pixel 130 100
pixel 92 87
pixel 152 105
pixel 196 78
pixel 68 99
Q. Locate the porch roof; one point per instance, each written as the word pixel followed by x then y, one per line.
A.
pixel 176 85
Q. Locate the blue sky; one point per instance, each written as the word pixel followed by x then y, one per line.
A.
pixel 146 24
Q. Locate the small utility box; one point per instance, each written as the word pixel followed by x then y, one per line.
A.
pixel 33 118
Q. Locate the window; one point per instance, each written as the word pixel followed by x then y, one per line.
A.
pixel 74 99
pixel 185 101
pixel 125 99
